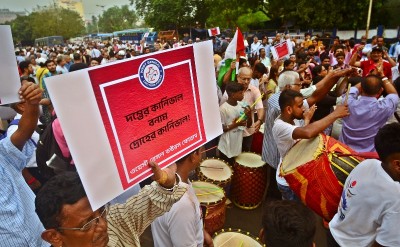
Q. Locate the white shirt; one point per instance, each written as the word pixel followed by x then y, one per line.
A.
pixel 230 142
pixel 250 96
pixel 369 208
pixel 283 136
pixel 182 226
pixel 61 70
pixel 255 47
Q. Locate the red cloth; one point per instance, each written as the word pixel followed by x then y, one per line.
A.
pixel 369 65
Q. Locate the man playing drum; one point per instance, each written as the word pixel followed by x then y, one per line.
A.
pixel 183 224
pixel 369 210
pixel 292 125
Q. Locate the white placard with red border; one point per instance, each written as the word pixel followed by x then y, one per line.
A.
pixel 118 116
pixel 214 31
pixel 281 50
pixel 9 82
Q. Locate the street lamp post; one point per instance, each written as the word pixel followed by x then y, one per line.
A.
pixel 102 7
pixel 368 18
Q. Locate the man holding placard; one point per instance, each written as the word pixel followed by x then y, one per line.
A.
pixel 64 209
pixel 19 225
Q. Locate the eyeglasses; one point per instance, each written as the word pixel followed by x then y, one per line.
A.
pixel 86 227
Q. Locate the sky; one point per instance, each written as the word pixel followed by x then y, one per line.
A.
pixel 89 6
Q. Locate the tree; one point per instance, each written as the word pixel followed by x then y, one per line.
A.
pixel 117 18
pixel 56 21
pixel 226 13
pixel 21 29
pixel 91 27
pixel 165 14
pixel 346 14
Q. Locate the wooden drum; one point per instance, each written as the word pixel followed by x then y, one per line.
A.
pixel 232 238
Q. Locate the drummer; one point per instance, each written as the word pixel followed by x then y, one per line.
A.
pixel 183 224
pixel 293 125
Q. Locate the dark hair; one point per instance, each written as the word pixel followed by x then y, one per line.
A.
pixel 316 70
pixel 387 141
pixel 287 63
pixel 62 189
pixel 273 73
pixel 287 224
pixel 233 87
pixel 48 61
pixel 287 98
pixel 371 85
pixel 260 67
pixel 27 78
pixel 23 65
pixel 340 54
pixel 77 56
pixel 186 156
pixel 311 47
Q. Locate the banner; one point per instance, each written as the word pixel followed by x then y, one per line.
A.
pixel 9 82
pixel 281 50
pixel 214 31
pixel 117 117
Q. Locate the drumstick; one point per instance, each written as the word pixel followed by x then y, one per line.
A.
pixel 208 149
pixel 241 244
pixel 218 168
pixel 205 187
pixel 209 193
pixel 347 93
pixel 255 102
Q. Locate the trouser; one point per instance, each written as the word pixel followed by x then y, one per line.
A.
pixel 246 144
pixel 287 193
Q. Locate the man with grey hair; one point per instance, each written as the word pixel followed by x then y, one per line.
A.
pixel 313 94
pixel 251 94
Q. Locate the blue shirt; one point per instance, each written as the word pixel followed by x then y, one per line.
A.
pixel 19 224
pixel 367 116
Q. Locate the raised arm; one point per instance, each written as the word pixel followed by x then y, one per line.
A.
pixel 31 94
pixel 326 84
pixel 313 129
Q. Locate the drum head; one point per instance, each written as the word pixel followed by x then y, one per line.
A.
pixel 301 153
pixel 208 192
pixel 215 169
pixel 232 239
pixel 249 160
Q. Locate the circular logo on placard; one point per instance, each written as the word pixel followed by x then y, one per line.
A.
pixel 151 73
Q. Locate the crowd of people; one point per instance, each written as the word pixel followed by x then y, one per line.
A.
pixel 298 96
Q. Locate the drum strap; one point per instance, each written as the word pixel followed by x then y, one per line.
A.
pixel 397 116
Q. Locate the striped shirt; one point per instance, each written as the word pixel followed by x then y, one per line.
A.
pixel 19 223
pixel 126 222
pixel 270 152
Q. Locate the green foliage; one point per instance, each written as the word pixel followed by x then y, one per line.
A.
pixel 165 14
pixel 116 19
pixel 47 22
pixel 347 14
pixel 57 21
pixel 21 29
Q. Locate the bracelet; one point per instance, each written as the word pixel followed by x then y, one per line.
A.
pixel 385 78
pixel 31 181
pixel 163 179
pixel 177 181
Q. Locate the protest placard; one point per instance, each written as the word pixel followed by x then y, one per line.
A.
pixel 282 49
pixel 9 82
pixel 119 116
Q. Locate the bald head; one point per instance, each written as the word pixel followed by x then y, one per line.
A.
pixel 371 85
